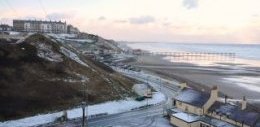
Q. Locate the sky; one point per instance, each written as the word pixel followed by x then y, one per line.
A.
pixel 187 21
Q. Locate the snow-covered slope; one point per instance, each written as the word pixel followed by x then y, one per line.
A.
pixel 111 107
pixel 72 55
pixel 43 74
pixel 45 51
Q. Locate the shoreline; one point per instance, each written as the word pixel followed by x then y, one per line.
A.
pixel 201 77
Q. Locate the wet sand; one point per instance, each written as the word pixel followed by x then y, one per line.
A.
pixel 202 77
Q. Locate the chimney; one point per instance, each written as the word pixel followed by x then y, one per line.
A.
pixel 183 85
pixel 213 98
pixel 226 97
pixel 243 103
pixel 214 93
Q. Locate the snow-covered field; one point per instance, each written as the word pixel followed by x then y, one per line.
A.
pixel 111 107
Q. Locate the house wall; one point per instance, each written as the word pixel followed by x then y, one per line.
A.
pixel 5 28
pixel 18 25
pixel 205 124
pixel 224 118
pixel 72 30
pixel 39 26
pixel 180 123
pixel 189 108
pixel 213 98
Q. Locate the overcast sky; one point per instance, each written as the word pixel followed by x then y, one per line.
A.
pixel 203 21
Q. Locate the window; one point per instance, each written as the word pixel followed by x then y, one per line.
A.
pixel 186 108
pixel 194 110
pixel 204 125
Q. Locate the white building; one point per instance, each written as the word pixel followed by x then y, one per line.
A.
pixel 40 26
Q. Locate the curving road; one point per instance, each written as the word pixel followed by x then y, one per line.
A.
pixel 151 116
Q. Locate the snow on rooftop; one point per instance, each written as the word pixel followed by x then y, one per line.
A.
pixel 190 118
pixel 186 117
pixel 14 33
pixel 110 107
pixel 73 56
pixel 140 89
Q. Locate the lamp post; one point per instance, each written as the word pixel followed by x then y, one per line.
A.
pixel 83 113
pixel 84 104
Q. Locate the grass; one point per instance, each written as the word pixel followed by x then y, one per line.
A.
pixel 26 88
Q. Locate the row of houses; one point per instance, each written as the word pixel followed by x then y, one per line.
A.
pixel 5 27
pixel 193 108
pixel 40 26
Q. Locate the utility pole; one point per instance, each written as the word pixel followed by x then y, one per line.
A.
pixel 147 85
pixel 83 113
pixel 83 104
pixel 86 105
pixel 160 83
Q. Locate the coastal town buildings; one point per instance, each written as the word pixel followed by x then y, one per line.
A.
pixel 72 30
pixel 40 26
pixel 5 27
pixel 193 108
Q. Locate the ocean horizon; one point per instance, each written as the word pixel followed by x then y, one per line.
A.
pixel 243 51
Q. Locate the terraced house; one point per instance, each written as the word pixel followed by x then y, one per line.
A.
pixel 40 26
pixel 193 108
pixel 5 27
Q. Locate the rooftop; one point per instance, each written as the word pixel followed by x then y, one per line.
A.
pixel 234 112
pixel 42 21
pixel 190 118
pixel 193 97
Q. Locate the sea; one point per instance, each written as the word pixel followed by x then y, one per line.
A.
pixel 247 59
pixel 246 54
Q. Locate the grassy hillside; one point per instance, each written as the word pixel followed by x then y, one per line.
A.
pixel 30 84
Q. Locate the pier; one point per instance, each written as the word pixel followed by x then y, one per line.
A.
pixel 209 56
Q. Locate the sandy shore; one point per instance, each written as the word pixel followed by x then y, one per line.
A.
pixel 203 77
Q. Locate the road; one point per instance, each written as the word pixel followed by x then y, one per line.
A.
pixel 151 116
pixel 168 87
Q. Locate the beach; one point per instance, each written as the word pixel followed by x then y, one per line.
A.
pixel 205 77
pixel 236 77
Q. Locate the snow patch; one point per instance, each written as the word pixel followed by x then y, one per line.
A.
pixel 31 121
pixel 140 89
pixel 63 36
pixel 14 33
pixel 81 40
pixel 45 51
pixel 113 107
pixel 110 107
pixel 73 56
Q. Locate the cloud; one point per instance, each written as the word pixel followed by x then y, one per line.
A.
pixel 190 4
pixel 6 21
pixel 102 18
pixel 142 20
pixel 166 24
pixel 120 21
pixel 59 16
